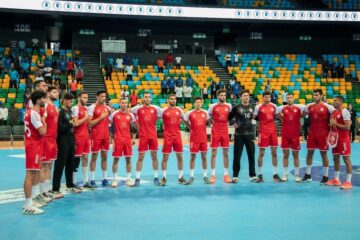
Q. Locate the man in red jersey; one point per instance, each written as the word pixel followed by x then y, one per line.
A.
pixel 265 112
pixel 341 122
pixel 196 121
pixel 122 120
pixel 319 115
pixel 172 117
pixel 290 115
pixel 147 115
pixel 35 129
pixel 99 114
pixel 218 113
pixel 82 140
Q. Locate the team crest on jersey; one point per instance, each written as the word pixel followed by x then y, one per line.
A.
pixel 203 115
pixel 286 110
pixel 127 117
pixel 321 109
pixel 338 116
pixel 226 110
pixel 152 111
pixel 142 111
pixel 250 110
pixel 177 113
pixel 272 109
pixel 295 110
pixel 118 117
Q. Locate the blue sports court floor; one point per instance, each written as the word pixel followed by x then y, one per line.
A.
pixel 221 211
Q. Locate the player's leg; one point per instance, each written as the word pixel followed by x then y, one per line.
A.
pixel 325 161
pixel 104 152
pixel 139 165
pixel 128 170
pixel 204 166
pixel 238 149
pixel 94 157
pixel 164 168
pixel 276 177
pixel 180 165
pixel 226 165
pixel 192 166
pixel 250 150
pixel 76 167
pixel 85 170
pixel 336 180
pixel 296 165
pixel 260 164
pixel 59 169
pixel 114 182
pixel 28 207
pixel 347 185
pixel 286 153
pixel 69 169
pixel 153 146
pixel 213 164
pixel 309 160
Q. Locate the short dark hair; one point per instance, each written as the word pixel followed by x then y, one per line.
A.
pixel 36 95
pixel 101 91
pixel 68 96
pixel 290 93
pixel 52 88
pixel 81 93
pixel 198 98
pixel 147 93
pixel 341 98
pixel 171 95
pixel 123 98
pixel 37 82
pixel 244 91
pixel 220 91
pixel 318 90
pixel 266 93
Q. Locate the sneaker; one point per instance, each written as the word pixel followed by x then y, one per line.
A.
pixel 32 210
pixel 253 179
pixel 235 180
pixel 114 183
pixel 276 178
pixel 137 182
pixel 93 184
pixel 77 186
pixel 46 198
pixel 213 179
pixel 191 181
pixel 105 183
pixel 285 178
pixel 306 178
pixel 156 182
pixel 182 181
pixel 73 190
pixel 227 179
pixel 259 179
pixel 334 182
pixel 297 178
pixel 49 194
pixel 57 195
pixel 206 180
pixel 38 203
pixel 129 183
pixel 163 181
pixel 324 180
pixel 88 186
pixel 346 185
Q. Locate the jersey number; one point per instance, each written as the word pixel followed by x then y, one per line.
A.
pixel 27 129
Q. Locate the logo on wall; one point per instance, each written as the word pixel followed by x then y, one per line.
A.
pixel 46 4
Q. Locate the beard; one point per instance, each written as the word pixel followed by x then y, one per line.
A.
pixel 42 104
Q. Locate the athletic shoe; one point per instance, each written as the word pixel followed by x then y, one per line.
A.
pixel 137 182
pixel 285 178
pixel 38 202
pixel 324 180
pixel 114 183
pixel 213 179
pixel 88 186
pixel 105 183
pixel 57 195
pixel 32 210
pixel 163 181
pixel 346 185
pixel 46 198
pixel 276 178
pixel 191 180
pixel 129 183
pixel 206 180
pixel 227 179
pixel 334 182
pixel 235 180
pixel 77 186
pixel 306 178
pixel 182 181
pixel 93 184
pixel 156 182
pixel 259 179
pixel 253 179
pixel 73 190
pixel 297 178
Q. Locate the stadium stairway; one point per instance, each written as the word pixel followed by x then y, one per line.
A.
pixel 93 79
pixel 219 70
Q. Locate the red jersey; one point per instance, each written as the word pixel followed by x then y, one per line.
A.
pixel 133 100
pixel 122 123
pixel 291 116
pixel 172 120
pixel 147 117
pixel 51 121
pixel 32 122
pixel 266 115
pixel 319 115
pixel 197 120
pixel 341 116
pixel 81 131
pixel 101 129
pixel 219 113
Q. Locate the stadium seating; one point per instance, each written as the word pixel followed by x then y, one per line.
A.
pixel 260 3
pixel 343 4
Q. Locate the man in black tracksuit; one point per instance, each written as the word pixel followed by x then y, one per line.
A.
pixel 242 116
pixel 66 146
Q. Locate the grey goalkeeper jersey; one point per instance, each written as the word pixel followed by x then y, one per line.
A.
pixel 243 117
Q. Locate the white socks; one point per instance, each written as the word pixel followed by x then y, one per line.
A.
pixel 180 173
pixel 275 170
pixel 191 172
pixel 137 174
pixel 326 171
pixel 35 191
pixel 128 175
pixel 297 171
pixel 213 172
pixel 156 175
pixel 28 202
pixel 164 173
pixel 104 174
pixel 260 170
pixel 348 177
pixel 47 185
pixel 308 169
pixel 85 174
pixel 205 172
pixel 226 171
pixel 285 170
pixel 115 176
pixel 92 175
pixel 337 175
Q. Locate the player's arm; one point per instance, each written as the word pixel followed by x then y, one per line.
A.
pixel 279 113
pixel 232 117
pixel 210 113
pixel 256 112
pixel 39 123
pixel 347 119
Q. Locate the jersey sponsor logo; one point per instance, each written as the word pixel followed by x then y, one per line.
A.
pixel 152 111
pixel 321 109
pixel 128 117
